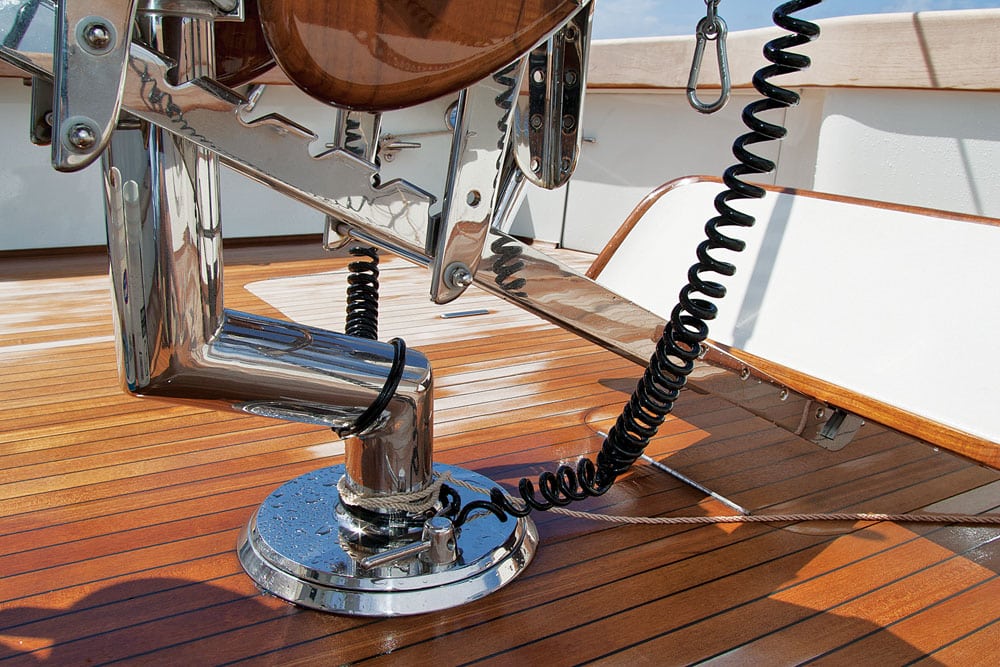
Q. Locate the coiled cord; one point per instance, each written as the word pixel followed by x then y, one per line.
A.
pixel 362 294
pixel 354 140
pixel 687 328
pixel 507 77
pixel 506 264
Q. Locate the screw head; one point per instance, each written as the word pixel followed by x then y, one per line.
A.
pixel 459 276
pixel 96 35
pixel 81 137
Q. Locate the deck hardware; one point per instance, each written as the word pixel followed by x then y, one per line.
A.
pixel 88 63
pixel 711 28
pixel 390 144
pixel 465 313
pixel 690 482
pixel 437 546
pixel 547 141
pixel 480 140
pixel 837 431
pixel 304 546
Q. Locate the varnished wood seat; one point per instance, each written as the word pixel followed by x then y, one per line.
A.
pixel 387 54
pixel 884 310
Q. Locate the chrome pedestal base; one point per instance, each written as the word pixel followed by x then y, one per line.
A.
pixel 294 548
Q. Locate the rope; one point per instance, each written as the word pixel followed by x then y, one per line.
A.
pixel 419 502
pixel 968 519
pixel 971 519
pixel 416 502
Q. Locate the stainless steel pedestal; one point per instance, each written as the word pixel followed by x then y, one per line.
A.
pixel 296 548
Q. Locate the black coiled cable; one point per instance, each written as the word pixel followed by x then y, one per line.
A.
pixel 506 77
pixel 687 328
pixel 506 264
pixel 362 294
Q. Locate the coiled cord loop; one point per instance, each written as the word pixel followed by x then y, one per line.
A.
pixel 362 294
pixel 687 327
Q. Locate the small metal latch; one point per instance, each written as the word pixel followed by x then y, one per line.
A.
pixel 437 545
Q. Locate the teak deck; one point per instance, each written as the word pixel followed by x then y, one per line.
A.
pixel 119 516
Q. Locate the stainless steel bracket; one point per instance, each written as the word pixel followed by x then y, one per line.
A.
pixel 92 39
pixel 548 135
pixel 481 135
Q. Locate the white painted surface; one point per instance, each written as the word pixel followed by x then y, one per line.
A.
pixel 641 141
pixel 929 148
pixel 39 207
pixel 924 148
pixel 900 307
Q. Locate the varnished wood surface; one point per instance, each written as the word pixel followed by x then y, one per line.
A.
pixel 386 54
pixel 119 516
pixel 915 50
pixel 241 52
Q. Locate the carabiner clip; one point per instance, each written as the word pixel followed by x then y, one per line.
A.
pixel 710 28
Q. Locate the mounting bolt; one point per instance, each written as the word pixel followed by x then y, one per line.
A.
pixel 458 276
pixel 820 414
pixel 744 373
pixel 82 137
pixel 98 36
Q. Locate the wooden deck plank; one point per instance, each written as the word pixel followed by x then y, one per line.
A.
pixel 119 515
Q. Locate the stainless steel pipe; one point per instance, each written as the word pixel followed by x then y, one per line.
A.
pixel 177 341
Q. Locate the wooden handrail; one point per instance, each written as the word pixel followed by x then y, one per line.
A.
pixel 926 50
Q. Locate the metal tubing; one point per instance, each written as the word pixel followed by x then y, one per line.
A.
pixel 177 341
